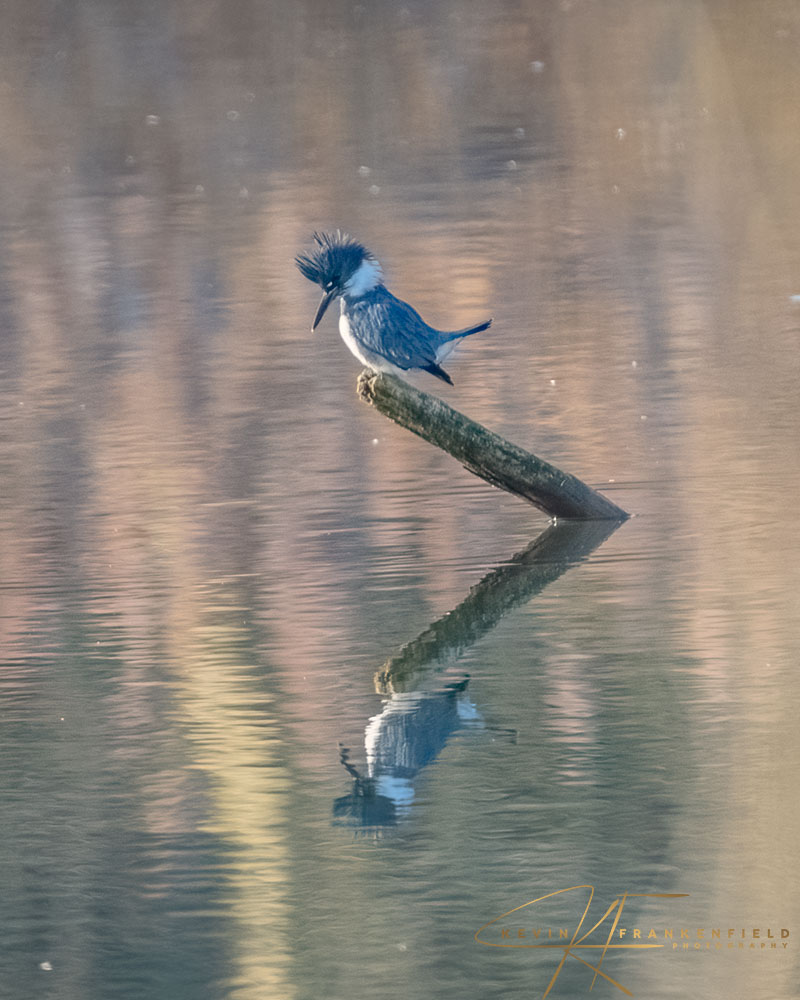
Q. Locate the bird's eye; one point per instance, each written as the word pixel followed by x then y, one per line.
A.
pixel 330 285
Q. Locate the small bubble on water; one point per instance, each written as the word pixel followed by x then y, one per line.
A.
pixel 511 165
pixel 152 120
pixel 199 189
pixel 364 171
pixel 45 966
pixel 620 134
pixel 232 116
pixel 374 189
pixel 519 133
pixel 537 66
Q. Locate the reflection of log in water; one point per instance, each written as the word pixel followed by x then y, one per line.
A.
pixel 546 558
pixel 414 724
pixel 485 453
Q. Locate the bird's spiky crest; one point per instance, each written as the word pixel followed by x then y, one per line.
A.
pixel 336 257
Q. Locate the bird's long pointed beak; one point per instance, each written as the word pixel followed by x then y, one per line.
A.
pixel 326 301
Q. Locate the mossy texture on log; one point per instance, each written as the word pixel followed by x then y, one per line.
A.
pixel 485 453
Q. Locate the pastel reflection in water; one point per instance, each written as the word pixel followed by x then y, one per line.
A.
pixel 215 561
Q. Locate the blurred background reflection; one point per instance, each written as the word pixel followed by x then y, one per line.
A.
pixel 209 548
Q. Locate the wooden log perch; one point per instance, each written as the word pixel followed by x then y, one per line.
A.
pixel 485 453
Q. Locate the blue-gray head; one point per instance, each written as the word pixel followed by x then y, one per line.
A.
pixel 341 266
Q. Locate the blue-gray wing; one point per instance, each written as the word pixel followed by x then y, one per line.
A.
pixel 393 329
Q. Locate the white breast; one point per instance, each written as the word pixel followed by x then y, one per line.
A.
pixel 364 355
pixel 350 340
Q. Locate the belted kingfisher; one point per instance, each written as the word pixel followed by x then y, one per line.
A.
pixel 383 332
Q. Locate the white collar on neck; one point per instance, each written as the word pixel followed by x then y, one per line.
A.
pixel 367 276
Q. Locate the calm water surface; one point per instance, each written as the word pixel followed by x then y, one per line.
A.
pixel 292 705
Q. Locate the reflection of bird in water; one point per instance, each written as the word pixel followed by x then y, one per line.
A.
pixel 383 332
pixel 404 738
pixel 415 724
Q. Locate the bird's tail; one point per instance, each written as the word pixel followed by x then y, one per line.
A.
pixel 458 334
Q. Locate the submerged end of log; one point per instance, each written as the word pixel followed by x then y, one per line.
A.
pixel 484 453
